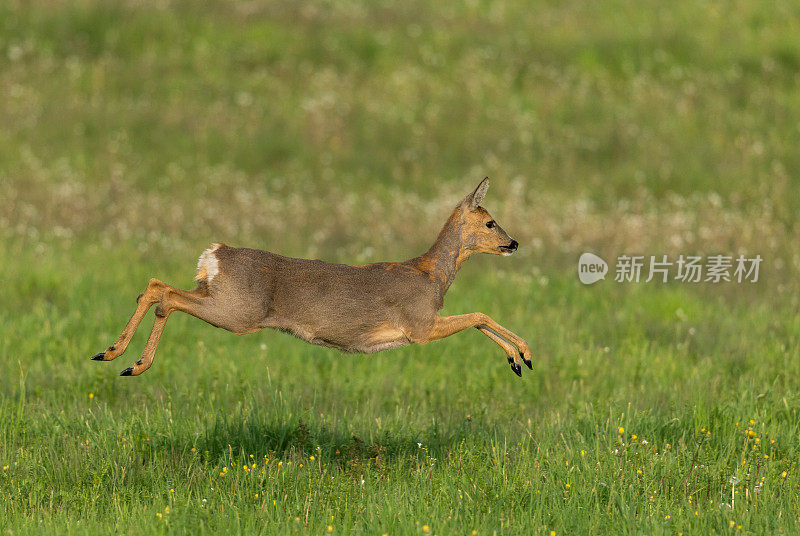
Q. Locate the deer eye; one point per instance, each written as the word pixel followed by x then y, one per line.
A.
pixel 490 224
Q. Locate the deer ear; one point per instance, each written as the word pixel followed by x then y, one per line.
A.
pixel 474 199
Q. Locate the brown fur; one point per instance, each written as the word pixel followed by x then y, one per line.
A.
pixel 352 308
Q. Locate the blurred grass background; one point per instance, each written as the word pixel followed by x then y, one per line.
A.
pixel 326 128
pixel 135 133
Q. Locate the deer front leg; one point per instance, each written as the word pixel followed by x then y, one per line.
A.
pixel 510 349
pixel 444 326
pixel 152 295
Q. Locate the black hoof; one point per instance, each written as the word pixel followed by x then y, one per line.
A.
pixel 98 357
pixel 517 369
pixel 528 363
pixel 127 372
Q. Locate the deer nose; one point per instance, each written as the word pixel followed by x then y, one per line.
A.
pixel 513 245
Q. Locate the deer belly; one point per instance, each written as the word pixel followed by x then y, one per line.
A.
pixel 383 338
pixel 365 341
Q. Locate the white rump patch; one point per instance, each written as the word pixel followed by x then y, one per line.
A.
pixel 208 264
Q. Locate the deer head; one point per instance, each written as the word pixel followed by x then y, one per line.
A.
pixel 480 233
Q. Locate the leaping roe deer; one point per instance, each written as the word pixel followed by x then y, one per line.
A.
pixel 352 308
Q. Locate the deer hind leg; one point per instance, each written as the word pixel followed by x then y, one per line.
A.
pixel 444 326
pixel 152 295
pixel 193 302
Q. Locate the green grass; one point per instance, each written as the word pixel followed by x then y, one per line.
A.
pixel 442 435
pixel 136 133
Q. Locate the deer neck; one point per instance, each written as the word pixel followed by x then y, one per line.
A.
pixel 442 261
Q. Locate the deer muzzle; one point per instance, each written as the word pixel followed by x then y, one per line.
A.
pixel 509 249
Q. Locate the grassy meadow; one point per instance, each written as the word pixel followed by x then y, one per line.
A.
pixel 133 133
